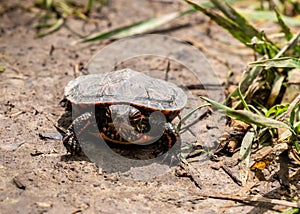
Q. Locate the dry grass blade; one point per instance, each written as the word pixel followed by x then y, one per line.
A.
pixel 249 117
pixel 276 88
pixel 247 199
pixel 283 62
pixel 245 152
pixel 293 42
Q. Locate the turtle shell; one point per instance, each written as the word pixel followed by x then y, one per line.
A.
pixel 126 86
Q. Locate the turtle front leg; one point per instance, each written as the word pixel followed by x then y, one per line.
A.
pixel 72 135
pixel 71 143
pixel 169 137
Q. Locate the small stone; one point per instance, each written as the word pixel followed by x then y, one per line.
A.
pixel 17 181
pixel 96 185
pixel 44 204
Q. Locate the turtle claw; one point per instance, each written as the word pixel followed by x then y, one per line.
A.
pixel 70 139
pixel 171 135
pixel 71 143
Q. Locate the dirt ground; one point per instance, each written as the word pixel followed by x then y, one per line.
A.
pixel 38 176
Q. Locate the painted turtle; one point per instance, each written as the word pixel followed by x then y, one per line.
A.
pixel 125 106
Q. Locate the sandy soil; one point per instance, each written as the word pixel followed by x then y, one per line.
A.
pixel 38 176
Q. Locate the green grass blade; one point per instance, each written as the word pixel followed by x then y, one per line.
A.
pixel 243 32
pixel 277 110
pixel 249 117
pixel 229 25
pixel 188 115
pixel 260 15
pixel 90 5
pixel 2 68
pixel 232 14
pixel 284 27
pixel 297 127
pixel 137 27
pixel 142 26
pixel 245 82
pixel 54 27
pixel 291 211
pixel 49 3
pixel 295 112
pixel 242 98
pixel 283 62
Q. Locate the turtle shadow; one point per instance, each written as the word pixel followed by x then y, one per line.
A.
pixel 70 157
pixel 127 159
pixel 134 161
pixel 65 120
pixel 111 162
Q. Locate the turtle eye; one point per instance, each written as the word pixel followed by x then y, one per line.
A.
pixel 134 114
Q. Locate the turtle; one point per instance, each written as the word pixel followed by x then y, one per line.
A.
pixel 124 107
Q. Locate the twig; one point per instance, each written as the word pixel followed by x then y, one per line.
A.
pixel 167 70
pixel 190 172
pixel 19 183
pixel 291 43
pixel 76 70
pixel 230 173
pixel 251 199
